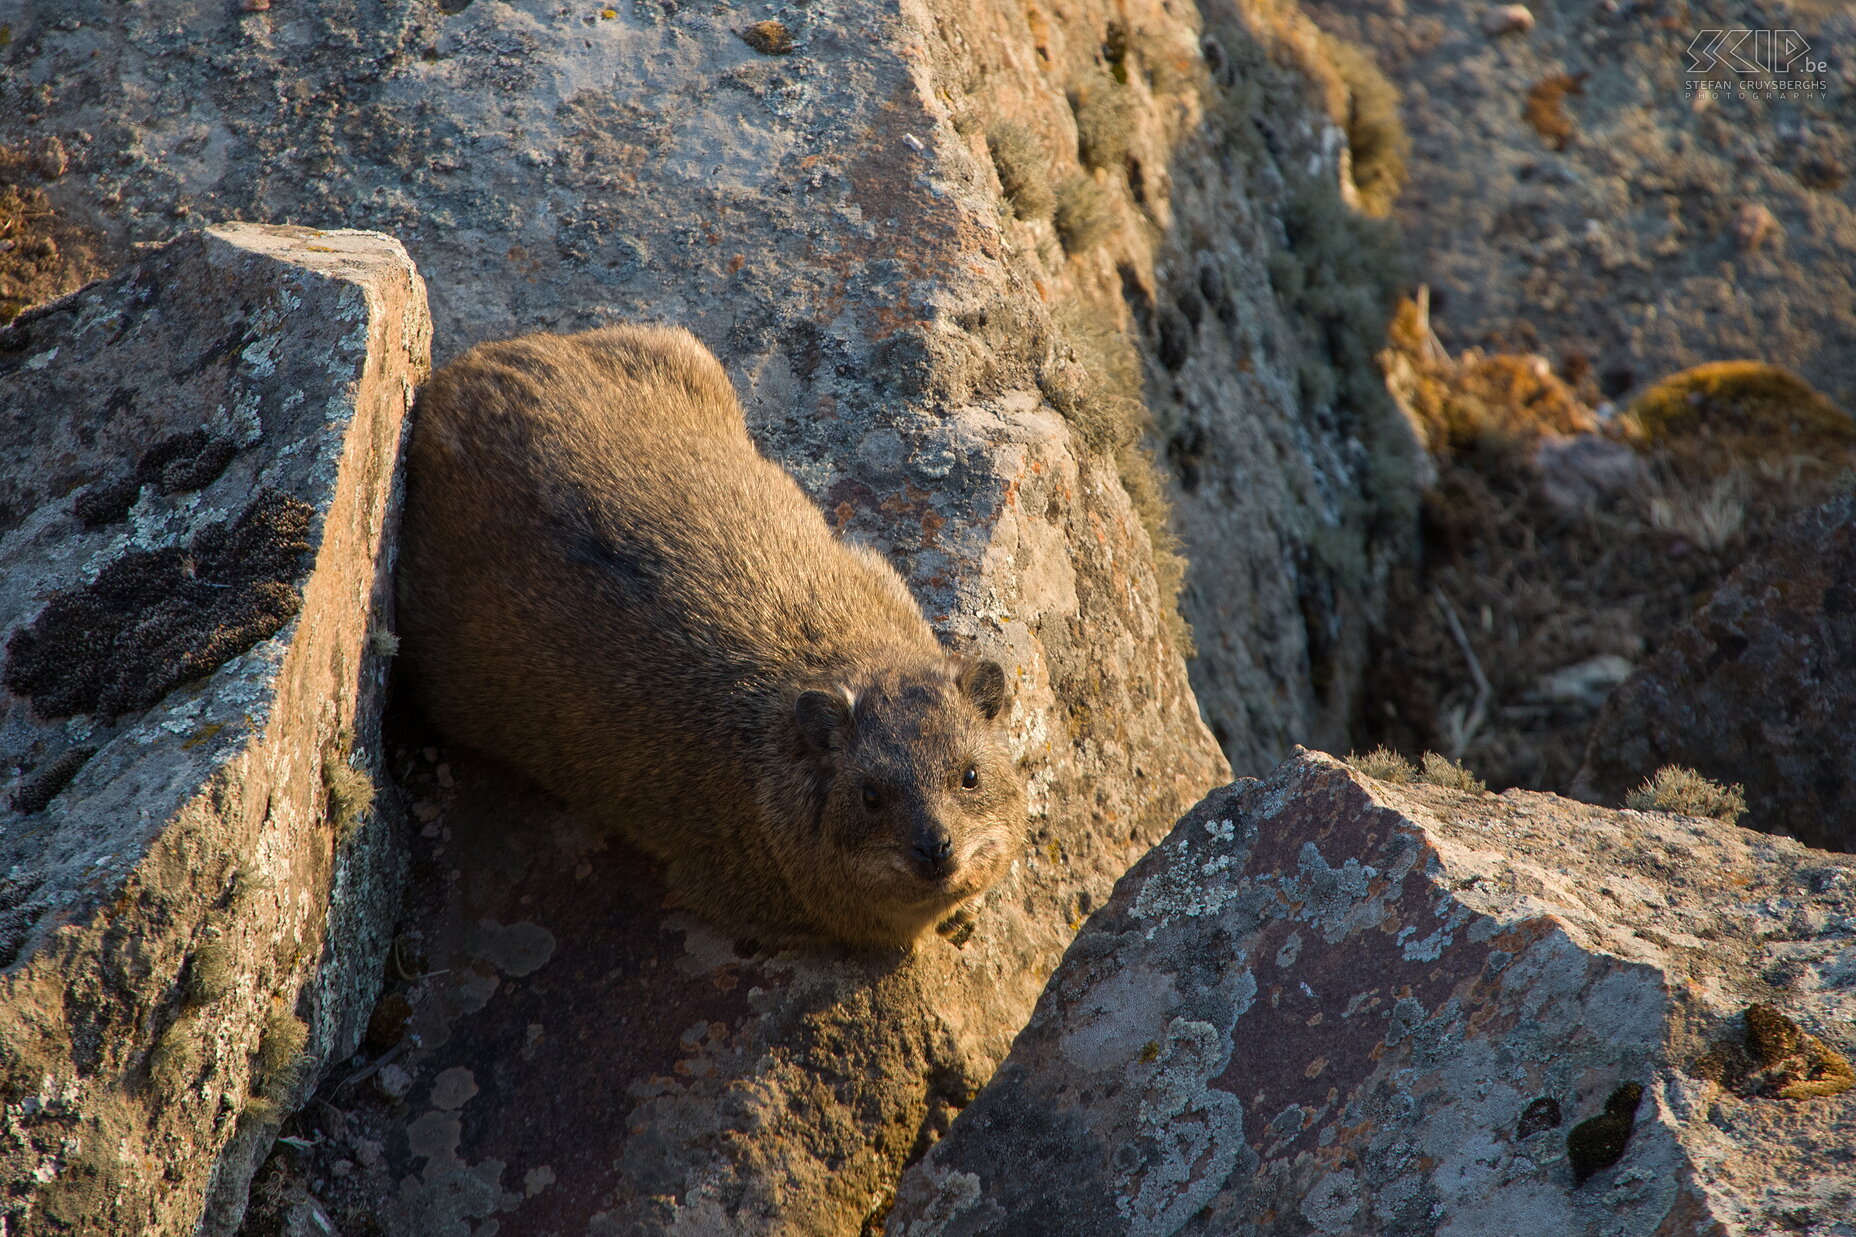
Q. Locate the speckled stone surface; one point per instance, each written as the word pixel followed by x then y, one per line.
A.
pixel 199 826
pixel 1327 1004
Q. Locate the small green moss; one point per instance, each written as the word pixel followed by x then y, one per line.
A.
pixel 1377 144
pixel 1440 770
pixel 1084 215
pixel 1384 764
pixel 1676 789
pixel 1150 1052
pixel 1776 1059
pixel 1105 112
pixel 210 973
pixel 1024 169
pixel 1599 1142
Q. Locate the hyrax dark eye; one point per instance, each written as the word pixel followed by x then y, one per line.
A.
pixel 873 798
pixel 970 780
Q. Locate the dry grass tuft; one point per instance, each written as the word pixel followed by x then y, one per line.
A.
pixel 1085 215
pixel 210 974
pixel 1024 169
pixel 1676 789
pixel 1384 764
pixel 1105 111
pixel 350 792
pixel 1099 393
pixel 1473 402
pixel 1442 771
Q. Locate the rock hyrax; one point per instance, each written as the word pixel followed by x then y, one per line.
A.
pixel 603 582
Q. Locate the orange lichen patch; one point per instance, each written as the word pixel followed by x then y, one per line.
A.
pixel 1545 108
pixel 1731 415
pixel 1476 400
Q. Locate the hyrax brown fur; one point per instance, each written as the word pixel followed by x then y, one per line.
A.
pixel 603 582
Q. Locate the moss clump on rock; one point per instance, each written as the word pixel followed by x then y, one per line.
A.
pixel 1599 1143
pixel 1024 169
pixel 1676 789
pixel 1776 1059
pixel 1744 415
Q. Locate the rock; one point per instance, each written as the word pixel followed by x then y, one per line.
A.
pixel 574 167
pixel 197 887
pixel 948 381
pixel 1579 472
pixel 1759 688
pixel 1336 1005
pixel 1502 19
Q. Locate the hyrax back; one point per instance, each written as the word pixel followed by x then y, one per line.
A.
pixel 603 582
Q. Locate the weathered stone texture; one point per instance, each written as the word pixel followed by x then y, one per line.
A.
pixel 1759 688
pixel 189 670
pixel 1615 184
pixel 1328 1004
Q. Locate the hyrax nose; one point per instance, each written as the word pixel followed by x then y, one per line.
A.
pixel 933 854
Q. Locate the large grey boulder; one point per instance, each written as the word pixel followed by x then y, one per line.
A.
pixel 1327 1004
pixel 199 458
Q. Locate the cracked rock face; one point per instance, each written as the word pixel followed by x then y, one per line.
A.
pixel 199 464
pixel 1332 1004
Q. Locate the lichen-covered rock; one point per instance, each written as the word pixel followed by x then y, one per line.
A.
pixel 199 461
pixel 1759 689
pixel 1334 1005
pixel 945 358
pixel 823 208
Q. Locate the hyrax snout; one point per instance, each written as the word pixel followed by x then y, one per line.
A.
pixel 603 582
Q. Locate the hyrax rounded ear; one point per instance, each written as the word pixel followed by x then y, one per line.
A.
pixel 983 682
pixel 822 718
